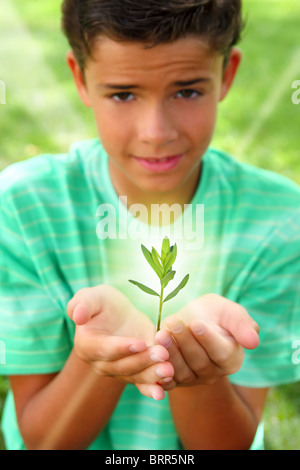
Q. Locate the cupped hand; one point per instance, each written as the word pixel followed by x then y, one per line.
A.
pixel 117 340
pixel 206 339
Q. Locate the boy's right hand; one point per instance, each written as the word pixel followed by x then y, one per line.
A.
pixel 117 340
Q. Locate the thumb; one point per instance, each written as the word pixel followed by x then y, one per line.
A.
pixel 247 335
pixel 230 316
pixel 155 391
pixel 80 314
pixel 242 327
pixel 81 308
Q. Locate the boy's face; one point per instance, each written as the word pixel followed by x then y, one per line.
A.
pixel 155 111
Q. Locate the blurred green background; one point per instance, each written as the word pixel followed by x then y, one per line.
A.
pixel 258 122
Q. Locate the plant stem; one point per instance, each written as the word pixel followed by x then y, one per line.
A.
pixel 160 308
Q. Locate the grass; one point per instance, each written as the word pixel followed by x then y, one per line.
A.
pixel 3 392
pixel 282 418
pixel 258 122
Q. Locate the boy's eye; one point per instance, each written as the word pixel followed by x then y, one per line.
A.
pixel 123 96
pixel 188 94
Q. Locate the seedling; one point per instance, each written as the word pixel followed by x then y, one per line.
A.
pixel 162 265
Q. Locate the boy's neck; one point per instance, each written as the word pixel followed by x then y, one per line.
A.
pixel 153 201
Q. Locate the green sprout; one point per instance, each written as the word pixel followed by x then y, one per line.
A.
pixel 162 265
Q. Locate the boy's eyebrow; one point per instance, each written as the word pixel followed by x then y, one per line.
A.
pixel 179 83
pixel 115 86
pixel 183 83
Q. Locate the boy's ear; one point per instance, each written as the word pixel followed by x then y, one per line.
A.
pixel 230 71
pixel 78 78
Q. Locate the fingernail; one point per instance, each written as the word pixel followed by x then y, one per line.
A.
pixel 78 306
pixel 159 372
pixel 197 329
pixel 176 327
pixel 167 380
pixel 155 358
pixel 79 317
pixel 158 395
pixel 135 348
pixel 165 342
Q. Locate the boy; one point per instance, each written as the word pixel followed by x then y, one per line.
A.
pixel 153 74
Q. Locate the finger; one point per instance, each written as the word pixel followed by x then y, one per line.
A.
pixel 228 315
pixel 86 303
pixel 152 359
pixel 194 355
pixel 247 334
pixel 222 350
pixel 102 347
pixel 183 373
pixel 154 391
pixel 80 308
pixel 239 323
pixel 160 374
pixel 168 384
pixel 81 314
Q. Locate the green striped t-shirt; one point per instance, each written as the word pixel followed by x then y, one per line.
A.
pixel 63 227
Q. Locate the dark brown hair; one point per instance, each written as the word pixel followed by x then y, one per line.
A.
pixel 218 22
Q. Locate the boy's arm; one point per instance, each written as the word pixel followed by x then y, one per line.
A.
pixel 221 416
pixel 205 341
pixel 68 410
pixel 65 410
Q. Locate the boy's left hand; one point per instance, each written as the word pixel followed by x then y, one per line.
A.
pixel 206 339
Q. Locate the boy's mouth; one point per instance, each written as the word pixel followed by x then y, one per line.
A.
pixel 159 164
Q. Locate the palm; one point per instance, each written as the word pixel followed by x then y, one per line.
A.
pixel 118 317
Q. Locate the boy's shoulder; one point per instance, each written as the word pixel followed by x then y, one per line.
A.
pixel 242 177
pixel 47 169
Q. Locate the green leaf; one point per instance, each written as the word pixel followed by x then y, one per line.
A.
pixel 165 248
pixel 168 277
pixel 155 257
pixel 156 253
pixel 148 257
pixel 144 288
pixel 170 260
pixel 178 288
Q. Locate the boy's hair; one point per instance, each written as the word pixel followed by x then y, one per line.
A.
pixel 218 22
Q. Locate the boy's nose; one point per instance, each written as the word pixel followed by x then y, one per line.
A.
pixel 156 127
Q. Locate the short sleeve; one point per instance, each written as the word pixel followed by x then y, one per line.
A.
pixel 33 329
pixel 271 295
